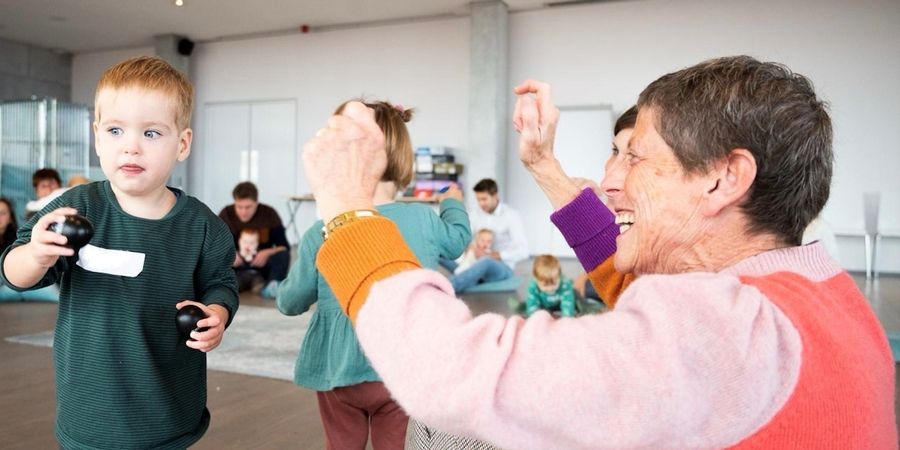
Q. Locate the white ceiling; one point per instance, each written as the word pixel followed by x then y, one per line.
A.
pixel 88 25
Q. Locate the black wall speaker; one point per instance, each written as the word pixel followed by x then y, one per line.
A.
pixel 185 46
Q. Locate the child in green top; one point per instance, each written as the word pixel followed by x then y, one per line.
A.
pixel 352 399
pixel 550 290
pixel 125 378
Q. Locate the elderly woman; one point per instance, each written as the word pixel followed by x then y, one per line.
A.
pixel 733 335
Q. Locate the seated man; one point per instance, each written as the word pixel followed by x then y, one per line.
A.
pixel 272 257
pixel 47 186
pixel 510 245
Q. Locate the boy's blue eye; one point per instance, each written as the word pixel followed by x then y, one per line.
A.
pixel 152 134
pixel 115 131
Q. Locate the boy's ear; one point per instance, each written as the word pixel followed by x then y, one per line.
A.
pixel 732 179
pixel 96 126
pixel 184 144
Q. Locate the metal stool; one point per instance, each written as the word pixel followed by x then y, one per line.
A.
pixel 871 203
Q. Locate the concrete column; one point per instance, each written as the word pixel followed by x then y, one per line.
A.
pixel 489 115
pixel 166 47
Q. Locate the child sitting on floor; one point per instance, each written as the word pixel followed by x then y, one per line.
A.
pixel 249 244
pixel 550 290
pixel 484 241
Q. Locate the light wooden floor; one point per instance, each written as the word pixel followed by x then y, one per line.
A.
pixel 247 412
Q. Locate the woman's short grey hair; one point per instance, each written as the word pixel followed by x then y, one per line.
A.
pixel 705 111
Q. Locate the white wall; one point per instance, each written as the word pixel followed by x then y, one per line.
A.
pixel 422 65
pixel 88 67
pixel 607 53
pixel 591 54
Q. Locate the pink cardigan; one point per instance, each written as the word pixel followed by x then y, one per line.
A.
pixel 780 350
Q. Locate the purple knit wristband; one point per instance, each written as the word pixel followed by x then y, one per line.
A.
pixel 589 227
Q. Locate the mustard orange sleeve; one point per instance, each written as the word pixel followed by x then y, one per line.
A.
pixel 609 283
pixel 357 255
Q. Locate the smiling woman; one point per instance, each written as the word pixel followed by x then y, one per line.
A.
pixel 736 337
pixel 672 218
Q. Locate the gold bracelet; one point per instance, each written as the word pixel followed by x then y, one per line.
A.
pixel 347 217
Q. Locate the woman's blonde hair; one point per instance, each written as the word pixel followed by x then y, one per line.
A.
pixel 546 268
pixel 392 121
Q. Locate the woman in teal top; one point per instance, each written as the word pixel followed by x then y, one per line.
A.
pixel 350 393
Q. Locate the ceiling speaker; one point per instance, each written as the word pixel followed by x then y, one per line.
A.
pixel 185 46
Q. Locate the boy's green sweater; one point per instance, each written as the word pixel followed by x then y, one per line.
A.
pixel 124 377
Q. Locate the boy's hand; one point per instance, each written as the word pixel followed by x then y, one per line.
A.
pixel 237 260
pixel 47 246
pixel 216 318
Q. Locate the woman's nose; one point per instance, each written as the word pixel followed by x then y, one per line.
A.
pixel 614 179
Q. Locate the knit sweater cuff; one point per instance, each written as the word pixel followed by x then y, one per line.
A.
pixel 358 255
pixel 589 227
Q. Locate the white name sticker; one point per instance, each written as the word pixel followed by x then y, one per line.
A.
pixel 114 262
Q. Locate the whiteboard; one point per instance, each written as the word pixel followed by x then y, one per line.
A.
pixel 583 143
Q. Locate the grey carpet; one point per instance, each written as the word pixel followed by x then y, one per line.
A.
pixel 260 341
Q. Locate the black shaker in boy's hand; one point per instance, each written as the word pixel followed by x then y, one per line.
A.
pixel 78 230
pixel 186 320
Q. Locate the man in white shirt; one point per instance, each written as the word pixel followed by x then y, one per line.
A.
pixel 510 244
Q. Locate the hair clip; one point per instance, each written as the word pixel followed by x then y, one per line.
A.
pixel 399 107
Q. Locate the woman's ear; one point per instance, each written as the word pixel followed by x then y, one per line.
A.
pixel 734 177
